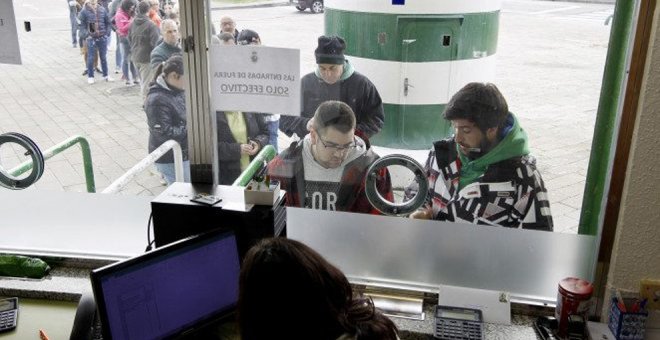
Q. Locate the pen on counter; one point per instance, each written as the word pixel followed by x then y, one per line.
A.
pixel 42 335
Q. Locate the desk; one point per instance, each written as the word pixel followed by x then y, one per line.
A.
pixel 105 227
pixel 54 317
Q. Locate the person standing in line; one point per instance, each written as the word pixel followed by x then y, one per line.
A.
pixel 154 13
pixel 123 20
pixel 228 25
pixel 97 22
pixel 143 37
pixel 75 6
pixel 114 5
pixel 166 116
pixel 168 46
pixel 83 34
pixel 250 37
pixel 241 135
pixel 336 79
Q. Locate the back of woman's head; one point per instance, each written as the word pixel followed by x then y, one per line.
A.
pixel 289 291
pixel 172 64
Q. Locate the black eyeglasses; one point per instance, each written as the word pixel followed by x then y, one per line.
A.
pixel 338 148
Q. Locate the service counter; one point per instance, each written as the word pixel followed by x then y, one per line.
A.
pixel 84 231
pixel 50 303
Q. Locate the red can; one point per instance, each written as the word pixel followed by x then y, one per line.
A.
pixel 574 297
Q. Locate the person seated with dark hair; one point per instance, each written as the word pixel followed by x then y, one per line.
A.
pixel 326 169
pixel 484 174
pixel 288 291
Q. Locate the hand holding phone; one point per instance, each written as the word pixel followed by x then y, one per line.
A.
pixel 246 149
pixel 255 146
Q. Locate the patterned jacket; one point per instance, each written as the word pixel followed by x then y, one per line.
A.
pixel 288 168
pixel 510 194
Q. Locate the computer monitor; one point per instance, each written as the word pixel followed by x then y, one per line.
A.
pixel 170 290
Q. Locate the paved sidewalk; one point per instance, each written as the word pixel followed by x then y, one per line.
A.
pixel 54 101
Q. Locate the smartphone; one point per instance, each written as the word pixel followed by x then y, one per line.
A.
pixel 92 27
pixel 8 314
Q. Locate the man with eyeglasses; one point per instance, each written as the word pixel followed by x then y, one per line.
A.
pixel 484 174
pixel 326 169
pixel 228 25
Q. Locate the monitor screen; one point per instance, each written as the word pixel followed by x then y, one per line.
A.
pixel 169 290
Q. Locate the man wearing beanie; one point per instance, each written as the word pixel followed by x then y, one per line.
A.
pixel 335 79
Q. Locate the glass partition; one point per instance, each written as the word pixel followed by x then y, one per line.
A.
pixel 412 254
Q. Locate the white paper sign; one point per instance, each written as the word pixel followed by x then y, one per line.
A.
pixel 255 79
pixel 10 52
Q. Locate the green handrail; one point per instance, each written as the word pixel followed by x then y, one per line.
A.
pixel 58 148
pixel 266 154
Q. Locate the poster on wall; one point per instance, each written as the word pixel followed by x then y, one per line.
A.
pixel 253 78
pixel 10 52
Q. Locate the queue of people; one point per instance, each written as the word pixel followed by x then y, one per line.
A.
pixel 94 21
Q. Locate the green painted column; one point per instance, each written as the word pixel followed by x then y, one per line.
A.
pixel 418 56
pixel 606 119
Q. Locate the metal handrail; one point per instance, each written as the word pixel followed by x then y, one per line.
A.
pixel 266 154
pixel 148 161
pixel 56 149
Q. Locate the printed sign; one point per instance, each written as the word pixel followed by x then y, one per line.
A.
pixel 255 79
pixel 10 52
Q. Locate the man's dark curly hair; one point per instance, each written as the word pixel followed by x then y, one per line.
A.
pixel 480 103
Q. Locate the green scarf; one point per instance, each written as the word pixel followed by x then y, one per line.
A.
pixel 514 144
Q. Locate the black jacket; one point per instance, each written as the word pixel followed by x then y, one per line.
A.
pixel 166 117
pixel 229 151
pixel 357 91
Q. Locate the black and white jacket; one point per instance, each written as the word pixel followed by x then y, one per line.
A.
pixel 510 194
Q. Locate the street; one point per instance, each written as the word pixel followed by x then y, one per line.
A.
pixel 550 61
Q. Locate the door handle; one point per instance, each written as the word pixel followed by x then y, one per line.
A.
pixel 406 85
